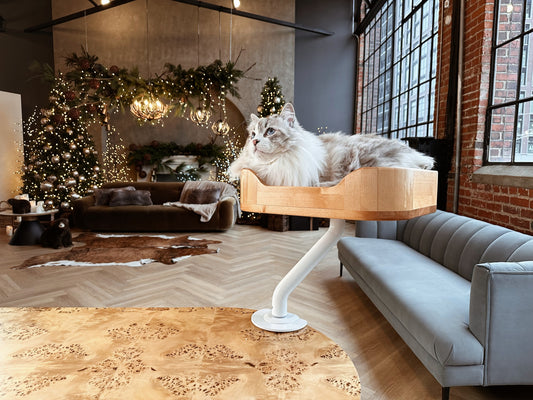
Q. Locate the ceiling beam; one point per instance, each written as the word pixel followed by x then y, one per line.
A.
pixel 233 11
pixel 201 4
pixel 79 14
pixel 374 7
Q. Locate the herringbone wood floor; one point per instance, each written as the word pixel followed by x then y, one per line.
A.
pixel 244 273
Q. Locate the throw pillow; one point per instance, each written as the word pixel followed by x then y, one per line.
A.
pixel 102 196
pixel 130 198
pixel 200 196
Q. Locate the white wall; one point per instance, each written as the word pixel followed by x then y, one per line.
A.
pixel 10 144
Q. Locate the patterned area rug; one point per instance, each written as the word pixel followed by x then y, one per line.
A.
pixel 129 250
pixel 167 354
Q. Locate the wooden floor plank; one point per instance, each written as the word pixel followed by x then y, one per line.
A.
pixel 250 263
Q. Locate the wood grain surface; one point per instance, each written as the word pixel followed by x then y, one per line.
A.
pixel 165 353
pixel 365 194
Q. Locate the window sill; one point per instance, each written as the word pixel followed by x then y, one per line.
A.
pixel 505 175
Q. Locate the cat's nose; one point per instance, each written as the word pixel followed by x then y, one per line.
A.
pixel 255 141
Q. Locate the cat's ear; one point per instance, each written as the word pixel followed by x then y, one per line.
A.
pixel 253 118
pixel 288 114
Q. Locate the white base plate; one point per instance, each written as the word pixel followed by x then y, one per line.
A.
pixel 265 320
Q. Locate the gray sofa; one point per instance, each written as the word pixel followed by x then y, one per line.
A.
pixel 457 290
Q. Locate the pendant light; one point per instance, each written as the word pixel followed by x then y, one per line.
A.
pixel 147 107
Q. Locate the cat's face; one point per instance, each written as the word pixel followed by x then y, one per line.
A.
pixel 270 136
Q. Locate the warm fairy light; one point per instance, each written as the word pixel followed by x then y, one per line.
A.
pixel 148 108
pixel 115 161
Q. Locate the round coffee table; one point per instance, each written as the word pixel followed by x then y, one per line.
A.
pixel 30 228
pixel 173 353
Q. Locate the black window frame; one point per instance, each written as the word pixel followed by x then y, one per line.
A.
pixel 382 111
pixel 518 102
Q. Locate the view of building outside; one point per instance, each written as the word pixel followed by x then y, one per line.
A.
pixel 510 128
pixel 399 69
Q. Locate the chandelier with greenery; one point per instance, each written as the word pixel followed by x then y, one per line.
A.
pixel 94 89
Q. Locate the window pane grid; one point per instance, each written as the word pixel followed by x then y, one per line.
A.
pixel 509 127
pixel 398 93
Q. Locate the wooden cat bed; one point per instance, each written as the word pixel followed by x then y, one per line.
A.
pixel 374 193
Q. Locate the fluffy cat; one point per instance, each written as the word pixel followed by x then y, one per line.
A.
pixel 282 153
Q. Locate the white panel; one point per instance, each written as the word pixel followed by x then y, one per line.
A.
pixel 10 144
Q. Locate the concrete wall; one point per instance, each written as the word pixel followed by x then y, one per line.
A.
pixel 19 50
pixel 325 66
pixel 118 36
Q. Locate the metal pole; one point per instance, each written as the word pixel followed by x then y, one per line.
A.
pixel 76 15
pixel 201 4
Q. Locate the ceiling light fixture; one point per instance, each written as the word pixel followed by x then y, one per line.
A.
pixel 236 3
pixel 104 2
pixel 148 107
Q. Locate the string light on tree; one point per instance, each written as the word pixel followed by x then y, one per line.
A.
pixel 53 153
pixel 272 100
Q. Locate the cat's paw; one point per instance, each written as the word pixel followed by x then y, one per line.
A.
pixel 234 172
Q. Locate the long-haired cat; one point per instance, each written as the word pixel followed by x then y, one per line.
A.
pixel 282 153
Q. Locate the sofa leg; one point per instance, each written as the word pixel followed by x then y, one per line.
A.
pixel 340 271
pixel 445 393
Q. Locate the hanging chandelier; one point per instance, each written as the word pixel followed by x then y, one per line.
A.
pixel 148 108
pixel 220 128
pixel 200 115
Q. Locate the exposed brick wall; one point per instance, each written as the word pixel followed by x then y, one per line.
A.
pixel 443 68
pixel 503 205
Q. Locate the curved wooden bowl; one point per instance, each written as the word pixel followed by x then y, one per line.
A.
pixel 371 193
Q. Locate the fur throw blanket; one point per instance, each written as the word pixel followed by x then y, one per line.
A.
pixel 202 197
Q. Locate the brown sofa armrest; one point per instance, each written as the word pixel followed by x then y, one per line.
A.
pixel 79 207
pixel 228 211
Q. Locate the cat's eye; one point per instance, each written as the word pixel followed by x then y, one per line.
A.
pixel 270 131
pixel 252 134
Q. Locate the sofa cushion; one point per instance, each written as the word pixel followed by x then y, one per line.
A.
pixel 200 196
pixel 130 198
pixel 156 218
pixel 431 301
pixel 459 243
pixel 161 192
pixel 102 196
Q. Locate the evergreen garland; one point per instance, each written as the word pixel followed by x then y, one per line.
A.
pixel 95 88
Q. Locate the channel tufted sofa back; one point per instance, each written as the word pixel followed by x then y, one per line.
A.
pixel 457 242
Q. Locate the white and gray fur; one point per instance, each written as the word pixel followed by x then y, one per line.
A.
pixel 282 153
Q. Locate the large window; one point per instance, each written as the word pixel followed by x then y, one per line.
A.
pixel 509 134
pixel 399 69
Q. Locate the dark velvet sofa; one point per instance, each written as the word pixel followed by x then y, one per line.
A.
pixel 155 217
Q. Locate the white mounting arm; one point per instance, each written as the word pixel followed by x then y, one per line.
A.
pixel 278 319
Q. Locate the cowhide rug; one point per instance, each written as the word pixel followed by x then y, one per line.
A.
pixel 129 250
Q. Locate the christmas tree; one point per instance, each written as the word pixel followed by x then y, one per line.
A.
pixel 272 101
pixel 61 162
